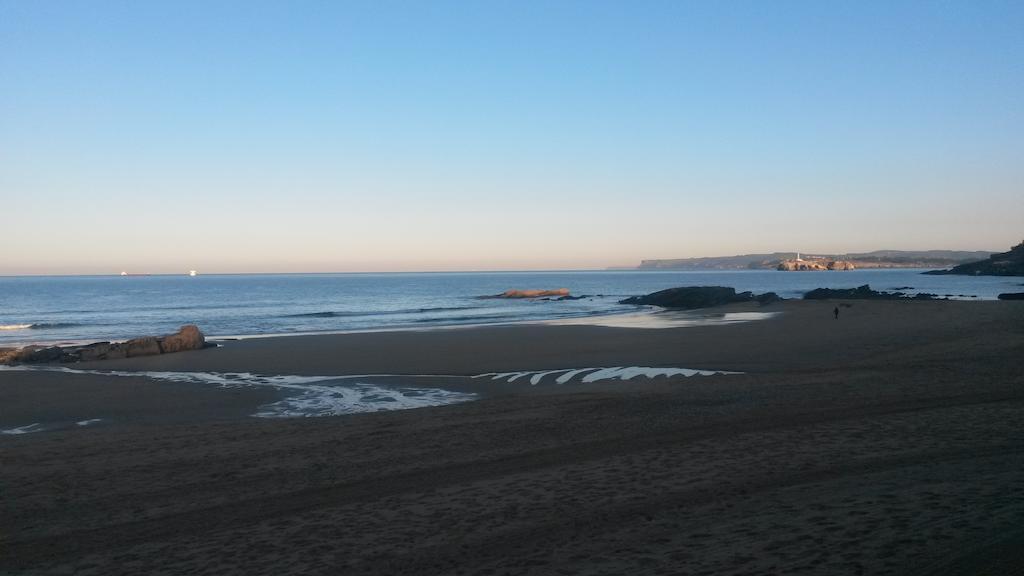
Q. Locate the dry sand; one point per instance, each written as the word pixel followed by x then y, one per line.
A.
pixel 890 441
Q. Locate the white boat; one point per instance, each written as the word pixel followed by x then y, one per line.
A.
pixel 192 272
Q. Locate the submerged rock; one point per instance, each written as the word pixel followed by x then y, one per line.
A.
pixel 570 297
pixel 692 297
pixel 530 293
pixel 1012 296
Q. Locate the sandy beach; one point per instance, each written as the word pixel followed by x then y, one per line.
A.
pixel 888 441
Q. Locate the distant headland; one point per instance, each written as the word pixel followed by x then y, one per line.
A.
pixel 803 261
pixel 1009 263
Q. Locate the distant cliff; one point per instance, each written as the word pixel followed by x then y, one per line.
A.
pixel 772 260
pixel 1003 264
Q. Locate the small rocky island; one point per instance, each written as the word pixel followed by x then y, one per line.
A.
pixel 812 264
pixel 693 297
pixel 188 337
pixel 1003 264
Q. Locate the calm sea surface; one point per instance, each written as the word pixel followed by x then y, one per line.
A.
pixel 76 308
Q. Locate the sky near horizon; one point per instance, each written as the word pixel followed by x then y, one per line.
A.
pixel 343 136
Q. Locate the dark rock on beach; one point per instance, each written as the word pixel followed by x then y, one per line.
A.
pixel 189 337
pixel 692 297
pixel 1003 264
pixel 863 293
pixel 1012 296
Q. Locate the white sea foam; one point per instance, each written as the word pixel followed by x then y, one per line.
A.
pixel 600 373
pixel 14 326
pixel 27 429
pixel 89 422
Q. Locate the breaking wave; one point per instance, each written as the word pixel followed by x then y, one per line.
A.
pixel 38 326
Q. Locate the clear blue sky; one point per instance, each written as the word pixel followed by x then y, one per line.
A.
pixel 321 136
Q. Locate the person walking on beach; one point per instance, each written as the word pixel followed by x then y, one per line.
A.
pixel 835 312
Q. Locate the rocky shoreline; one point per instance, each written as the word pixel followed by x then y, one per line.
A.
pixel 693 297
pixel 864 293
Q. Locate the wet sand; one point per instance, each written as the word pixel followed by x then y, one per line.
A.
pixel 887 442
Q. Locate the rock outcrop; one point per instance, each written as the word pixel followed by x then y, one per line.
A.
pixel 1012 296
pixel 863 293
pixel 530 293
pixel 1003 264
pixel 39 354
pixel 146 346
pixel 693 297
pixel 188 337
pixel 100 351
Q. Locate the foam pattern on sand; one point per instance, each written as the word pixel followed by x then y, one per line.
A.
pixel 312 395
pixel 48 426
pixel 27 429
pixel 351 394
pixel 587 375
pixel 320 395
pixel 317 400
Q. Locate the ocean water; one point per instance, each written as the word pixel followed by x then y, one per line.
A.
pixel 57 309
